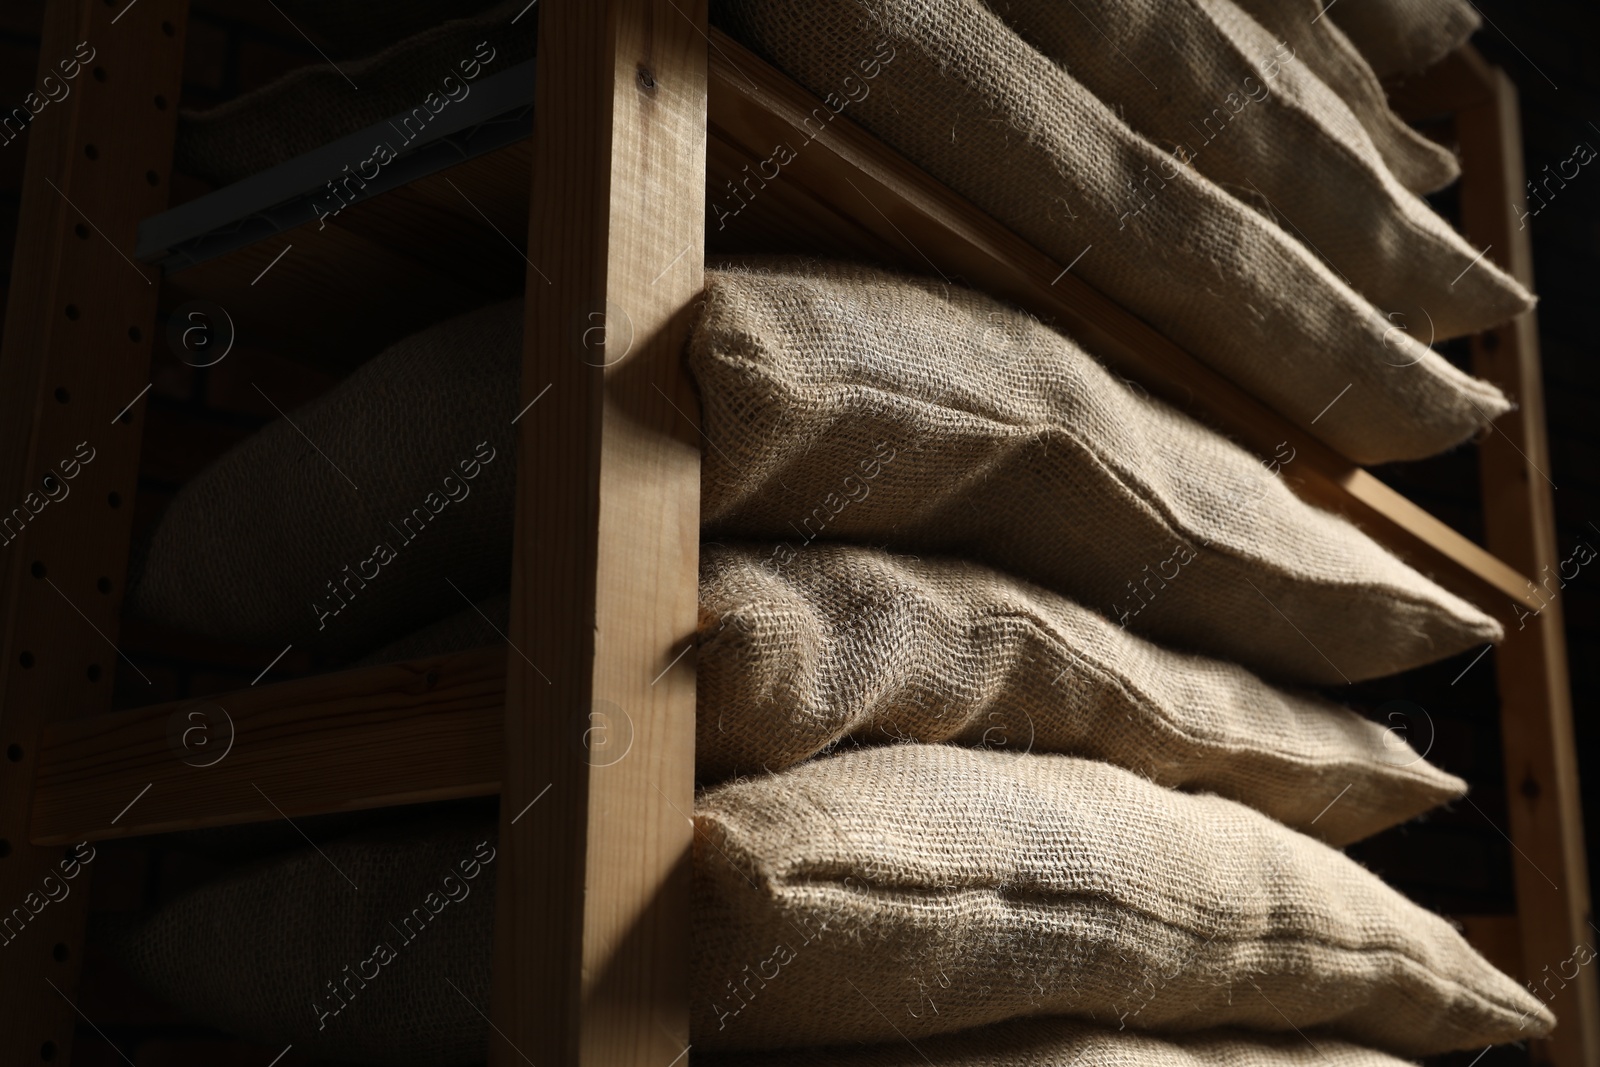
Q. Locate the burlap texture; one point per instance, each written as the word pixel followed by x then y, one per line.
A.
pixel 1420 165
pixel 246 550
pixel 857 645
pixel 849 642
pixel 847 898
pixel 1267 130
pixel 253 952
pixel 361 27
pixel 1398 37
pixel 844 402
pixel 969 101
pixel 1066 1043
pixel 899 880
pixel 313 105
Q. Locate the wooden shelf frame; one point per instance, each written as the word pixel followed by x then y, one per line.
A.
pixel 639 107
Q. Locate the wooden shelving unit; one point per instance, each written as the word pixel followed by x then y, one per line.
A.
pixel 639 108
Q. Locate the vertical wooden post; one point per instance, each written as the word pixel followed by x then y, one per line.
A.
pixel 1552 882
pixel 76 354
pixel 591 945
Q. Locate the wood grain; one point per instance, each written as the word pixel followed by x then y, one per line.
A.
pixel 79 326
pixel 845 195
pixel 380 270
pixel 1546 814
pixel 1498 938
pixel 591 942
pixel 403 733
pixel 877 200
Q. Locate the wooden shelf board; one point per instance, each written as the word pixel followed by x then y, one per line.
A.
pixel 387 265
pixel 381 269
pixel 428 729
pixel 885 207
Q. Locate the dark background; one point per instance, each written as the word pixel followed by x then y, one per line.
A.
pixel 1561 107
pixel 1456 860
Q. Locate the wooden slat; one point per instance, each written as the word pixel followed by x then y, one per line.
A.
pixel 925 227
pixel 76 353
pixel 1498 938
pixel 1455 82
pixel 380 269
pixel 355 289
pixel 429 729
pixel 591 940
pixel 1545 804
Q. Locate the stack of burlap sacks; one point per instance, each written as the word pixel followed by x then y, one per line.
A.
pixel 1003 751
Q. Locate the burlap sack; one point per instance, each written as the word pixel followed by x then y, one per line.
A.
pixel 344 526
pixel 361 27
pixel 876 895
pixel 848 898
pixel 424 76
pixel 1065 1043
pixel 1405 36
pixel 965 98
pixel 486 622
pixel 844 402
pixel 857 645
pixel 848 642
pixel 1420 165
pixel 287 951
pixel 1233 102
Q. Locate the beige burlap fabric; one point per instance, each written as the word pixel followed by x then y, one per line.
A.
pixel 1236 104
pixel 1405 36
pixel 1056 1042
pixel 977 107
pixel 855 644
pixel 361 27
pixel 1420 165
pixel 271 951
pixel 843 402
pixel 848 642
pixel 313 105
pixel 941 887
pixel 847 898
pixel 412 453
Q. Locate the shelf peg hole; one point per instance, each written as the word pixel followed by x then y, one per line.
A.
pixel 37 570
pixel 62 396
pixel 14 753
